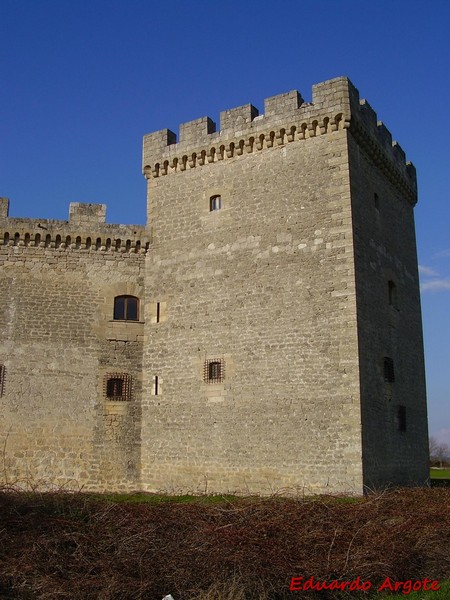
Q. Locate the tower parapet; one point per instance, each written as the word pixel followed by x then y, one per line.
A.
pixel 86 229
pixel 335 106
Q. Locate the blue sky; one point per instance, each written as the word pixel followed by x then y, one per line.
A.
pixel 82 82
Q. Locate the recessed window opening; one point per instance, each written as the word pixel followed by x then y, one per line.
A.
pixel 156 385
pixel 392 294
pixel 126 308
pixel 114 388
pixel 388 369
pixel 401 418
pixel 118 387
pixel 215 202
pixel 2 378
pixel 376 201
pixel 158 311
pixel 214 370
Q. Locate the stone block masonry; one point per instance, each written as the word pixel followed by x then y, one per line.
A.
pixel 260 334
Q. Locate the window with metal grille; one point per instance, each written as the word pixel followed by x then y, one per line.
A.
pixel 388 369
pixel 214 370
pixel 215 202
pixel 2 378
pixel 117 386
pixel 401 418
pixel 126 308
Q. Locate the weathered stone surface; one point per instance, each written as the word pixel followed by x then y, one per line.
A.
pixel 285 287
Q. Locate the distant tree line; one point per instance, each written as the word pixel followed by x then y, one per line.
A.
pixel 439 453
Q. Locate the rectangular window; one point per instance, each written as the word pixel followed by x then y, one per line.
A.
pixel 215 203
pixel 117 386
pixel 401 418
pixel 157 385
pixel 126 308
pixel 388 369
pixel 2 378
pixel 214 370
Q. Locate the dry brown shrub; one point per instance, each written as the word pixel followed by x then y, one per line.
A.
pixel 58 545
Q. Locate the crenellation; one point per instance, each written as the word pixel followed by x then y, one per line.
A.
pixel 282 104
pixel 238 119
pixel 399 153
pixel 155 145
pixel 245 353
pixel 282 112
pixel 86 214
pixel 4 208
pixel 336 105
pixel 85 230
pixel 197 130
pixel 386 153
pixel 384 135
pixel 335 93
pixel 369 116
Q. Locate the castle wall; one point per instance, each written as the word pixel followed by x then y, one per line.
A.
pixel 57 345
pixel 395 447
pixel 274 340
pixel 265 285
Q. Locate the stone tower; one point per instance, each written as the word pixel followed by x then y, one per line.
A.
pixel 283 251
pixel 261 333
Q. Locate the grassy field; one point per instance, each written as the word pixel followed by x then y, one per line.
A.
pixel 441 594
pixel 440 473
pixel 142 547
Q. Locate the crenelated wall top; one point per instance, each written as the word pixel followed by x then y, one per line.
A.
pixel 287 117
pixel 86 229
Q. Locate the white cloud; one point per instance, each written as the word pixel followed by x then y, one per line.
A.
pixel 435 285
pixel 427 271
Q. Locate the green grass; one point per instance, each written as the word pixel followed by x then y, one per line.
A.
pixel 150 498
pixel 143 498
pixel 439 474
pixel 442 594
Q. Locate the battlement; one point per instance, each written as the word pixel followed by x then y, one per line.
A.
pixel 335 105
pixel 86 229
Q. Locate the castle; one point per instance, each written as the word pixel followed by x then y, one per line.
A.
pixel 262 333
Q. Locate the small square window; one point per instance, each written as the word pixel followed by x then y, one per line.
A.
pixel 214 370
pixel 117 386
pixel 388 369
